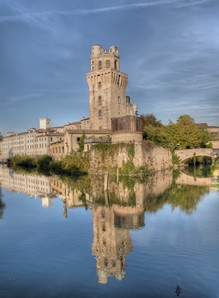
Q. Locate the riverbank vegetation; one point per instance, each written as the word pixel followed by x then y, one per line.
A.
pixel 183 134
pixel 75 164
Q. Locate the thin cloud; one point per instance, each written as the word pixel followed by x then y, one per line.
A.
pixel 30 15
pixel 191 3
pixel 19 98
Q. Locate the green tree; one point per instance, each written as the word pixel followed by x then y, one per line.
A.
pixel 81 143
pixel 188 135
pixel 183 134
pixel 150 127
pixel 150 119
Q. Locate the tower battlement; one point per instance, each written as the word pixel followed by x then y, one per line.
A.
pixel 102 59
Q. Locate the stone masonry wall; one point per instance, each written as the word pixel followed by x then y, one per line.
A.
pixel 156 158
pixel 116 155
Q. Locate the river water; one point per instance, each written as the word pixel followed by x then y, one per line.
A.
pixel 93 237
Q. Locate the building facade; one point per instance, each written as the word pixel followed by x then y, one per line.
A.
pixel 33 142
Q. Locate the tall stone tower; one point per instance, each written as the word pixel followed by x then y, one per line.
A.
pixel 107 87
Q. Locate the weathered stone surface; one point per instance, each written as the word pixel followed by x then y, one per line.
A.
pixel 155 159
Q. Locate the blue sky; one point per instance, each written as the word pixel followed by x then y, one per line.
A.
pixel 169 49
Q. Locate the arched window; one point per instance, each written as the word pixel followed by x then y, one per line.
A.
pixel 103 213
pixel 119 99
pixel 99 85
pixel 99 64
pixel 107 63
pixel 116 64
pixel 114 263
pixel 99 100
pixel 100 113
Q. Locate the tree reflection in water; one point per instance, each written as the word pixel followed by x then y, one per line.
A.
pixel 185 197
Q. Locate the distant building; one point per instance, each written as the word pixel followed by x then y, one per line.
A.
pixel 215 132
pixel 33 142
pixel 45 123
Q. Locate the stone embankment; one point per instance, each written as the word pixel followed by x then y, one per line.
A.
pixel 129 156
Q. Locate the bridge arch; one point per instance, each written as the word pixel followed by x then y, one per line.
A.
pixel 186 154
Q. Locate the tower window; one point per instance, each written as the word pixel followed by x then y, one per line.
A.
pixel 100 114
pixel 100 100
pixel 100 65
pixel 103 213
pixel 107 63
pixel 119 99
pixel 99 85
pixel 116 64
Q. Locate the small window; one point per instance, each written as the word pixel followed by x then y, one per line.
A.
pixel 92 62
pixel 99 100
pixel 99 85
pixel 119 99
pixel 103 213
pixel 107 63
pixel 100 65
pixel 100 113
pixel 116 64
pixel 92 68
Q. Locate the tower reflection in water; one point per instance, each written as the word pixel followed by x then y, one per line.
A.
pixel 116 211
pixel 112 241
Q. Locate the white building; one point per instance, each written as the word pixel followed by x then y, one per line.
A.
pixel 33 142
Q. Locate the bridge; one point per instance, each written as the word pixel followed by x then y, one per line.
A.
pixel 186 154
pixel 185 179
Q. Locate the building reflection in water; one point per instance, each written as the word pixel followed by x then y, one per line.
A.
pixel 39 186
pixel 112 241
pixel 116 210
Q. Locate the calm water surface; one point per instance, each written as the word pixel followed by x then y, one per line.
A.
pixel 65 238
